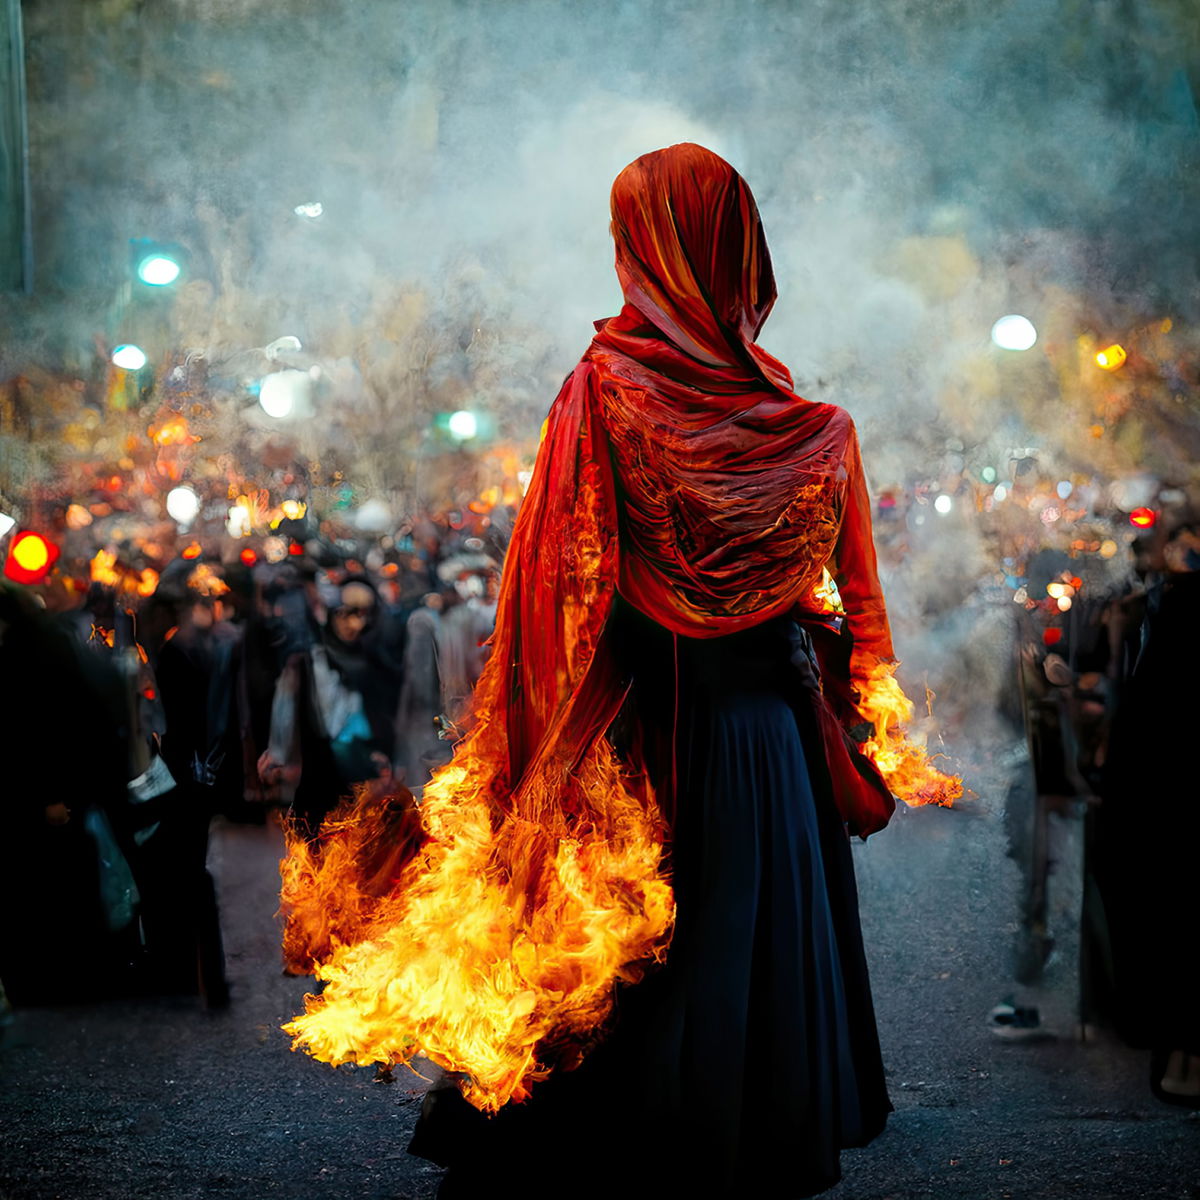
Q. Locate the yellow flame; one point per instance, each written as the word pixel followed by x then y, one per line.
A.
pixel 906 766
pixel 826 594
pixel 474 958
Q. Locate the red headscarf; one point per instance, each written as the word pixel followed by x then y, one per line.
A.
pixel 680 471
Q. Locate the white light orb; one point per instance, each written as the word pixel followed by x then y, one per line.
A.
pixel 183 504
pixel 158 270
pixel 312 210
pixel 281 393
pixel 1014 332
pixel 129 357
pixel 237 524
pixel 463 425
pixel 1064 489
pixel 943 504
pixel 1000 494
pixel 988 474
pixel 373 517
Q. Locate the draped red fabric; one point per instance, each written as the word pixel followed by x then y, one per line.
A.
pixel 680 471
pixel 733 495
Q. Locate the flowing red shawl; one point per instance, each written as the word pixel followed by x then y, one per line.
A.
pixel 694 481
pixel 680 471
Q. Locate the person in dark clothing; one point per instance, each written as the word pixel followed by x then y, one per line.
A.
pixel 201 750
pixel 332 719
pixel 61 706
pixel 1147 829
pixel 420 749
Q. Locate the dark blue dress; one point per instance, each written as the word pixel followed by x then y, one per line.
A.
pixel 746 1063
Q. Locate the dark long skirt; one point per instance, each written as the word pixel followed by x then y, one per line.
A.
pixel 751 1059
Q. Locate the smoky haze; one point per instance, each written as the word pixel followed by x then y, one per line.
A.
pixel 922 168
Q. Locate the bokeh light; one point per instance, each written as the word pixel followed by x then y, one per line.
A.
pixel 183 504
pixel 1014 332
pixel 129 357
pixel 463 425
pixel 283 392
pixel 158 270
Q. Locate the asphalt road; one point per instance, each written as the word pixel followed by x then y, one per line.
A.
pixel 159 1099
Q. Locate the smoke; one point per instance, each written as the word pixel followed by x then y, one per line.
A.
pixel 922 168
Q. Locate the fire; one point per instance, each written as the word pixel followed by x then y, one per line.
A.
pixel 905 765
pixel 492 951
pixel 827 596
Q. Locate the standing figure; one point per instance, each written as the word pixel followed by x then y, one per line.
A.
pixel 636 878
pixel 333 710
pixel 1146 828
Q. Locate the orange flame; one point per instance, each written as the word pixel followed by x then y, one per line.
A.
pixel 502 936
pixel 906 766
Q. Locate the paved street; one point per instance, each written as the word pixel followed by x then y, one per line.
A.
pixel 157 1098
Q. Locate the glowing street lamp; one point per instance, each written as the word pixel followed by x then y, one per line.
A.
pixel 463 425
pixel 156 264
pixel 1014 332
pixel 129 357
pixel 1111 357
pixel 158 270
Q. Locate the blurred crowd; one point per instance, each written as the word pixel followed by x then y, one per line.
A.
pixel 240 690
pixel 247 689
pixel 1107 699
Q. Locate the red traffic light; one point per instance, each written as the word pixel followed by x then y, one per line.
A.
pixel 248 556
pixel 30 558
pixel 1143 518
